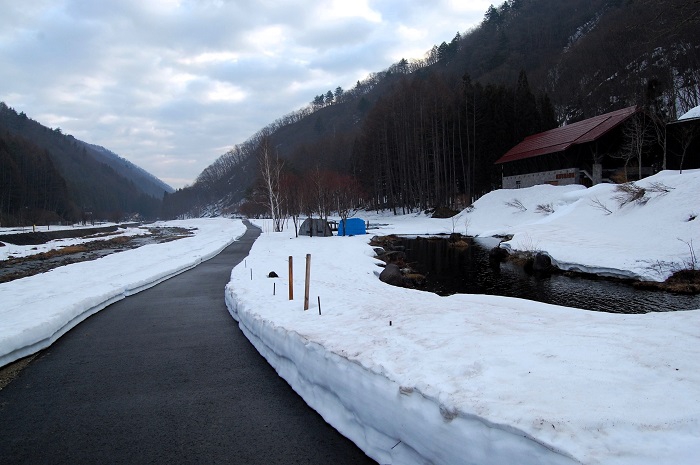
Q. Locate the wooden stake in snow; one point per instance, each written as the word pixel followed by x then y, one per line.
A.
pixel 319 305
pixel 306 282
pixel 291 279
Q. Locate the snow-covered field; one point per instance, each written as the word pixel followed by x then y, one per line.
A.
pixel 415 378
pixel 37 310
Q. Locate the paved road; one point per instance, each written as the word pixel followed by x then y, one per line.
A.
pixel 164 376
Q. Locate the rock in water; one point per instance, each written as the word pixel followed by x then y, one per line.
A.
pixel 391 275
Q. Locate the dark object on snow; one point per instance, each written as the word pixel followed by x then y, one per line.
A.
pixel 351 227
pixel 391 275
pixel 315 227
pixel 272 274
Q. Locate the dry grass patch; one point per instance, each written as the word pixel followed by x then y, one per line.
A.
pixel 104 234
pixel 11 371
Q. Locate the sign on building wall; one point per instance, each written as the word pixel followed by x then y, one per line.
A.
pixel 562 177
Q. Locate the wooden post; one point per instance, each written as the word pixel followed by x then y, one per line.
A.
pixel 306 283
pixel 291 279
pixel 319 305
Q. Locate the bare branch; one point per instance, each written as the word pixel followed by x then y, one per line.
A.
pixel 596 203
pixel 659 188
pixel 546 208
pixel 517 204
pixel 630 192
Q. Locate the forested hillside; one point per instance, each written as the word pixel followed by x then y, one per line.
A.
pixel 49 176
pixel 144 180
pixel 31 189
pixel 424 133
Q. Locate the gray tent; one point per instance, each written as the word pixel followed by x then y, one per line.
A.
pixel 315 227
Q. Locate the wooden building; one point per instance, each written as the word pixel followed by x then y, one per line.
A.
pixel 587 152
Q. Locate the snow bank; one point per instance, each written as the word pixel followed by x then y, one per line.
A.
pixel 39 309
pixel 692 113
pixel 640 241
pixel 415 378
pixel 469 379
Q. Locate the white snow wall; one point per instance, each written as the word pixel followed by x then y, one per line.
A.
pixel 392 424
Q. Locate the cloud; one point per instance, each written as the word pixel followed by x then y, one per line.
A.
pixel 169 84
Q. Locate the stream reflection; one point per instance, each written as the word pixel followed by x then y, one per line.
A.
pixel 450 270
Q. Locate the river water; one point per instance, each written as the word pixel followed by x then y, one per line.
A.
pixel 451 270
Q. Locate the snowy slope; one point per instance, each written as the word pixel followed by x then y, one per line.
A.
pixel 629 242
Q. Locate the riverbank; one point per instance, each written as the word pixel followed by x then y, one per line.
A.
pixel 599 230
pixel 21 261
pixel 455 264
pixel 488 379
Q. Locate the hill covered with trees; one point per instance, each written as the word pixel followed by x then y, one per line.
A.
pixel 48 176
pixel 425 133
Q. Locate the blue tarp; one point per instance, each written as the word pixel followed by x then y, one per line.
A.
pixel 354 227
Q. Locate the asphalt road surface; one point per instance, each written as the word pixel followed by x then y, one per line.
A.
pixel 164 376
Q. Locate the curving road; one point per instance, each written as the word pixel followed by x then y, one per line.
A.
pixel 164 376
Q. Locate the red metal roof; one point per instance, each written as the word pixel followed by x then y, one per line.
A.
pixel 560 139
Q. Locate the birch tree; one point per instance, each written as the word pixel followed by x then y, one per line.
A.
pixel 638 133
pixel 270 169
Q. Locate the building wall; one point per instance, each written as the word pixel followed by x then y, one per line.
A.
pixel 561 177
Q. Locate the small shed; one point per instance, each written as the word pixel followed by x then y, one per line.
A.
pixel 315 227
pixel 351 227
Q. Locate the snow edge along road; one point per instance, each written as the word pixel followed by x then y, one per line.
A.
pixel 389 423
pixel 25 338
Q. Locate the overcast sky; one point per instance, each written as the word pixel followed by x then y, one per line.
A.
pixel 172 84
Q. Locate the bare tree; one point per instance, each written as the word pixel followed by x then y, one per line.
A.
pixel 292 196
pixel 321 192
pixel 685 135
pixel 638 133
pixel 270 169
pixel 348 196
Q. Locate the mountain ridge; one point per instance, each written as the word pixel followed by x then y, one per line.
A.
pixel 146 181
